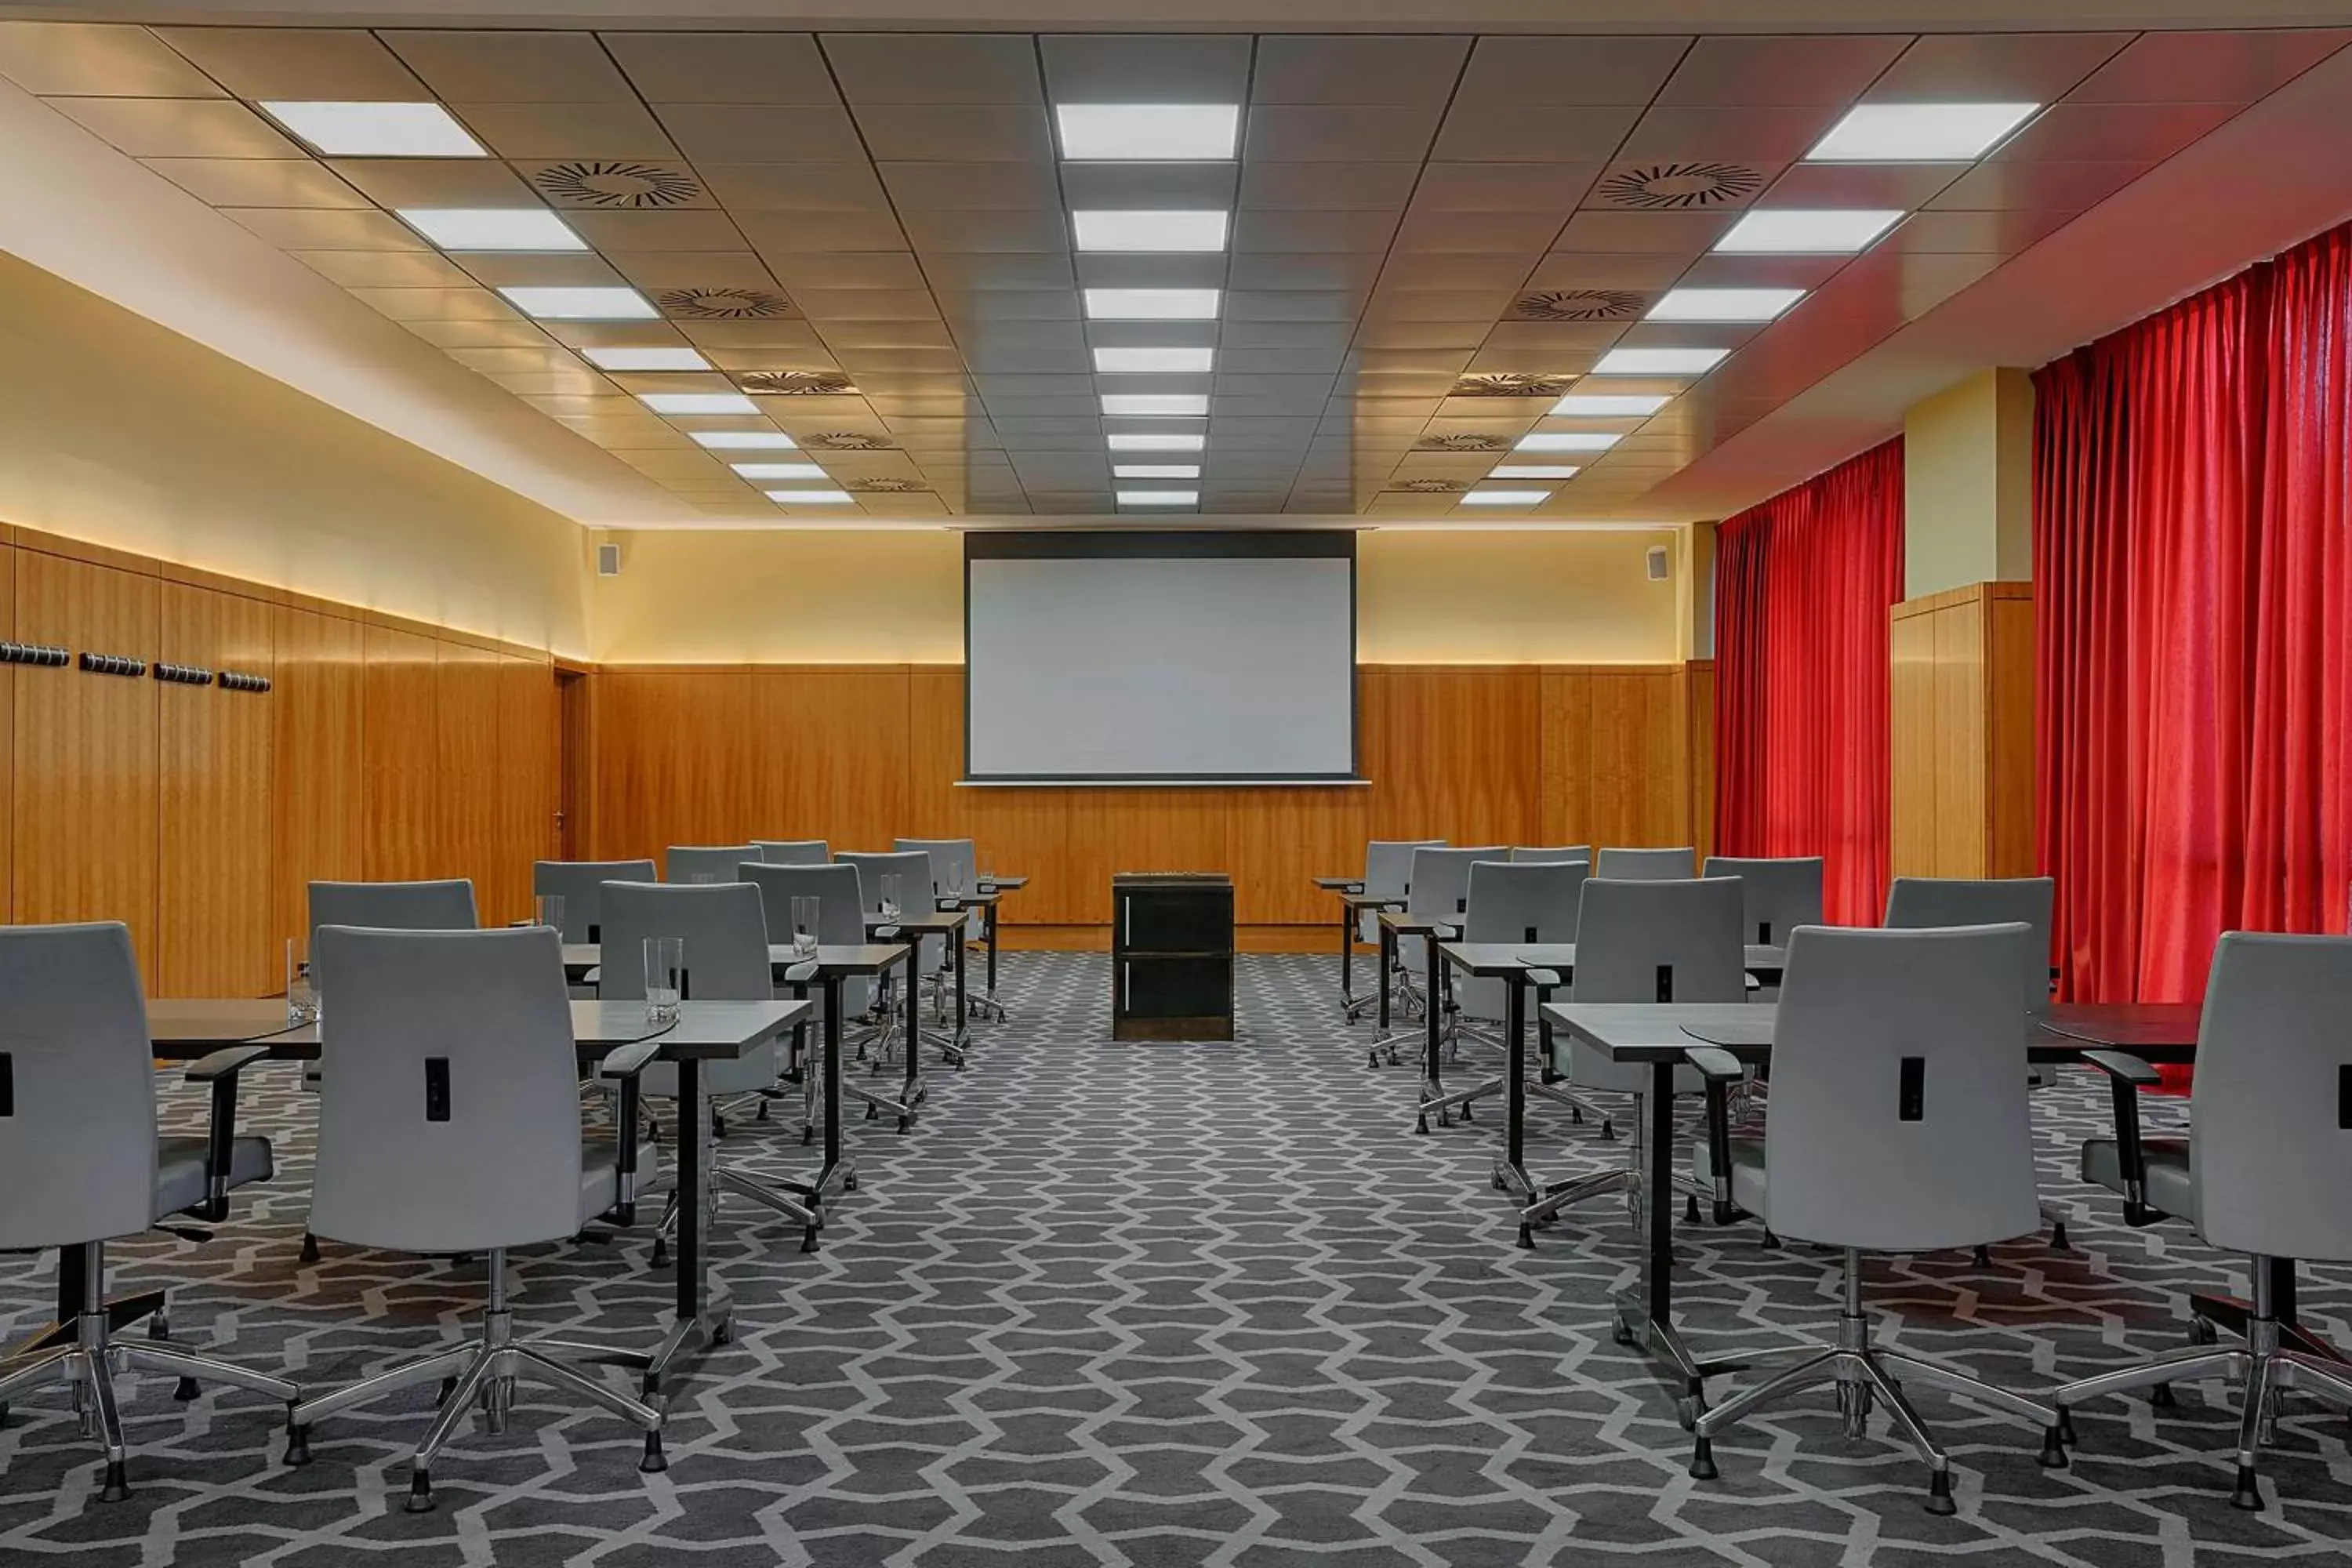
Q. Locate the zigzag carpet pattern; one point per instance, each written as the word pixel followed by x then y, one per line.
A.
pixel 1170 1305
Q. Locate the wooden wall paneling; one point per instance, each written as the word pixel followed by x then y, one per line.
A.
pixel 400 763
pixel 1453 752
pixel 1962 810
pixel 7 728
pixel 1145 830
pixel 472 782
pixel 691 758
pixel 1282 838
pixel 318 797
pixel 1699 682
pixel 1615 757
pixel 216 908
pixel 85 807
pixel 1014 831
pixel 842 741
pixel 530 790
pixel 1912 848
pixel 2009 695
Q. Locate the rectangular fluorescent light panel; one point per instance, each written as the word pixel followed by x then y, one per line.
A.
pixel 1565 441
pixel 1140 361
pixel 698 402
pixel 1152 229
pixel 1533 471
pixel 1723 304
pixel 810 497
pixel 645 359
pixel 1139 442
pixel 597 304
pixel 1155 404
pixel 1504 498
pixel 1148 133
pixel 1155 470
pixel 1808 231
pixel 376 129
pixel 1659 362
pixel 492 228
pixel 1152 304
pixel 1158 498
pixel 778 471
pixel 1918 132
pixel 1613 405
pixel 743 440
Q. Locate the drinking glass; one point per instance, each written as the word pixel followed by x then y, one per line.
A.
pixel 302 996
pixel 980 880
pixel 551 911
pixel 952 881
pixel 665 977
pixel 804 926
pixel 890 896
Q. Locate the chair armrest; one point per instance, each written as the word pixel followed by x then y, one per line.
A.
pixel 2126 1074
pixel 631 1059
pixel 1720 1069
pixel 219 1069
pixel 2126 1067
pixel 1543 979
pixel 800 973
pixel 1447 933
pixel 885 931
pixel 625 1065
pixel 1715 1064
pixel 225 1063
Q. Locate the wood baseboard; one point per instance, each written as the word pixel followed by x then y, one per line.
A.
pixel 1097 939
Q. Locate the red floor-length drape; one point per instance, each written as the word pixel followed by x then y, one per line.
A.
pixel 2193 583
pixel 1803 583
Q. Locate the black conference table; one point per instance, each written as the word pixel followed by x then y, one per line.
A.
pixel 702 1032
pixel 1658 1034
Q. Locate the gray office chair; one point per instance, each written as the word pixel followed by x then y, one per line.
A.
pixel 1896 1127
pixel 1673 865
pixel 913 870
pixel 1664 941
pixel 723 932
pixel 2260 1173
pixel 451 1123
pixel 954 869
pixel 694 863
pixel 1388 874
pixel 1552 852
pixel 446 905
pixel 1438 889
pixel 82 1165
pixel 1532 903
pixel 792 851
pixel 580 884
pixel 1776 895
pixel 840 922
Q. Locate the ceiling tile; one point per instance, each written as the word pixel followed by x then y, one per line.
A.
pixel 438 304
pixel 1478 131
pixel 959 273
pixel 328 63
pixel 1902 185
pixel 510 333
pixel 2036 186
pixel 1265 229
pixel 314 229
pixel 258 182
pixel 796 231
pixel 567 129
pixel 384 268
pixel 1761 271
pixel 1503 188
pixel 854 270
pixel 1292 187
pixel 95 59
pixel 736 133
pixel 1016 305
pixel 1524 234
pixel 2207 67
pixel 1595 270
pixel 695 269
pixel 966 233
pixel 1815 69
pixel 935 67
pixel 1356 69
pixel 1312 134
pixel 1987 233
pixel 1481 306
pixel 2146 133
pixel 1141 68
pixel 844 334
pixel 1646 233
pixel 1550 72
pixel 1993 67
pixel 774 336
pixel 950 187
pixel 1457 269
pixel 838 186
pixel 955 133
pixel 1555 341
pixel 825 305
pixel 1155 185
pixel 723 68
pixel 177 126
pixel 676 230
pixel 486 66
pixel 1757 135
pixel 435 182
pixel 1150 271
pixel 541 270
pixel 1356 270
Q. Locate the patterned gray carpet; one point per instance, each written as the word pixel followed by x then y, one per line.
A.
pixel 1170 1305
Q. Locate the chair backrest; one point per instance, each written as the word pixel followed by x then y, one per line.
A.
pixel 1388 874
pixel 1898 1090
pixel 1673 865
pixel 722 926
pixel 1517 902
pixel 702 863
pixel 1915 901
pixel 1549 852
pixel 2267 1126
pixel 395 905
pixel 78 1149
pixel 792 851
pixel 1660 940
pixel 1441 880
pixel 1777 896
pixel 949 856
pixel 451 1120
pixel 840 913
pixel 911 867
pixel 580 884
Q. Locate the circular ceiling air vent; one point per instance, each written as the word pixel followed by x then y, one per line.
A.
pixel 1461 444
pixel 1504 383
pixel 1671 186
pixel 722 304
pixel 602 182
pixel 1575 305
pixel 797 383
pixel 1431 486
pixel 848 441
pixel 885 487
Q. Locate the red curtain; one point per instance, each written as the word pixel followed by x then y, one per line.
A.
pixel 1802 586
pixel 2193 578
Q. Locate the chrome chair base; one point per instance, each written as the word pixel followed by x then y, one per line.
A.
pixel 484 1372
pixel 1863 1376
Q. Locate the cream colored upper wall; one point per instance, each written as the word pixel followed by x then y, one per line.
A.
pixel 120 432
pixel 1967 485
pixel 861 597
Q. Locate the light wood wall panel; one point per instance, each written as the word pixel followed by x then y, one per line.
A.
pixel 529 748
pixel 1616 756
pixel 216 910
pixel 463 838
pixel 85 752
pixel 8 731
pixel 400 751
pixel 1453 752
pixel 1961 732
pixel 320 823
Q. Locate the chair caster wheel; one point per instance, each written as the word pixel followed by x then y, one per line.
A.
pixel 1575 1115
pixel 808 1239
pixel 1421 1124
pixel 808 1136
pixel 661 1253
pixel 118 1482
pixel 872 1115
pixel 655 1461
pixel 1690 1208
pixel 1940 1495
pixel 1702 1460
pixel 159 1327
pixel 2053 1450
pixel 1608 1130
pixel 1466 1117
pixel 1372 1059
pixel 761 1114
pixel 1619 1331
pixel 849 1183
pixel 2247 1496
pixel 1983 1257
pixel 1526 1236
pixel 298 1444
pixel 185 1390
pixel 2161 1398
pixel 2058 1242
pixel 904 1123
pixel 420 1494
pixel 2202 1332
pixel 2065 1425
pixel 722 1333
pixel 448 1387
pixel 309 1247
pixel 1686 1412
pixel 1769 1241
pixel 718 1126
pixel 4 1411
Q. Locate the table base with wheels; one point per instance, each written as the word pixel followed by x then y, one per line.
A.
pixel 1643 1317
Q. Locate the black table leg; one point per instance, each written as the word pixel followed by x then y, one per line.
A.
pixel 1645 1316
pixel 910 1090
pixel 1388 962
pixel 702 1314
pixel 835 1172
pixel 1346 961
pixel 962 1007
pixel 1511 1176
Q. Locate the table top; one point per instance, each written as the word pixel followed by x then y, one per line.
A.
pixel 589 954
pixel 2134 1027
pixel 1649 1032
pixel 865 958
pixel 1405 924
pixel 1507 960
pixel 1340 884
pixel 703 1031
pixel 937 923
pixel 1371 901
pixel 1003 884
pixel 970 900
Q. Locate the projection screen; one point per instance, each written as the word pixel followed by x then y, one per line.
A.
pixel 1158 658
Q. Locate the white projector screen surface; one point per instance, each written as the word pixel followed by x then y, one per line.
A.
pixel 1084 668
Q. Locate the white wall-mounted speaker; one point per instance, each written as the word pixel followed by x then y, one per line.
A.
pixel 1657 563
pixel 608 561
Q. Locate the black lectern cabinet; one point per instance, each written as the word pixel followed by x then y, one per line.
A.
pixel 1171 956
